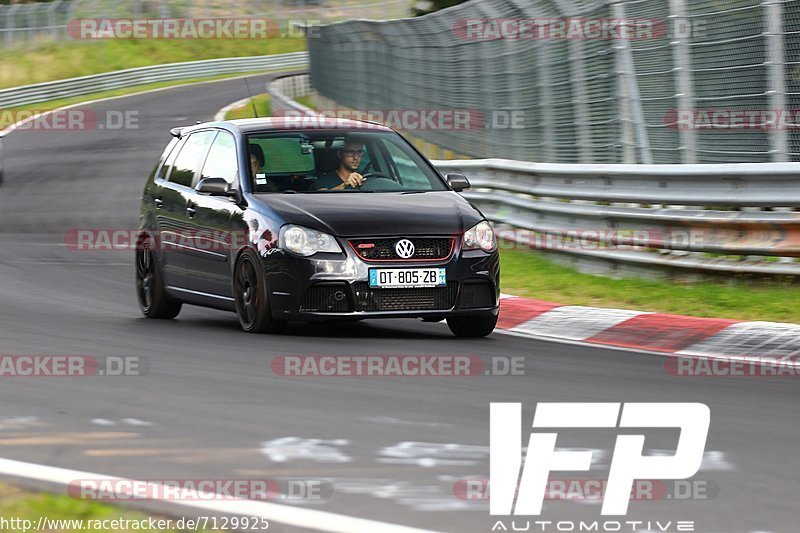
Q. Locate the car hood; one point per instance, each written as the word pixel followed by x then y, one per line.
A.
pixel 376 214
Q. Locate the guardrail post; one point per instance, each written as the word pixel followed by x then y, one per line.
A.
pixel 547 135
pixel 515 134
pixel 52 20
pixel 632 89
pixel 583 132
pixel 778 136
pixel 627 135
pixel 4 27
pixel 32 27
pixel 684 82
pixel 10 24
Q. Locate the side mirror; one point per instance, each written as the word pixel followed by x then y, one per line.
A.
pixel 457 182
pixel 213 186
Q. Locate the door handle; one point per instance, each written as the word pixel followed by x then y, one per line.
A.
pixel 159 203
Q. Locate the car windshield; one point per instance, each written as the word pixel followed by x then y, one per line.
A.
pixel 322 161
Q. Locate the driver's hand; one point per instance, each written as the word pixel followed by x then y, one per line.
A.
pixel 355 180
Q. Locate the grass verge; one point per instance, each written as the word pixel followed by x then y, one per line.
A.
pixel 306 101
pixel 528 274
pixel 20 504
pixel 262 104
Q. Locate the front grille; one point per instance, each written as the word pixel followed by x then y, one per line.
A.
pixel 476 295
pixel 329 298
pixel 428 299
pixel 425 248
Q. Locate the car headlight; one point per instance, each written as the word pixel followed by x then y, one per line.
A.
pixel 306 242
pixel 480 236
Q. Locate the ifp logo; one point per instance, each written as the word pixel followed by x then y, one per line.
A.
pixel 627 464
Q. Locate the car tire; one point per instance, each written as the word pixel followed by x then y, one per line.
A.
pixel 472 326
pixel 252 296
pixel 154 302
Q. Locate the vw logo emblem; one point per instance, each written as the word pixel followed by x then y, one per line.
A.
pixel 404 249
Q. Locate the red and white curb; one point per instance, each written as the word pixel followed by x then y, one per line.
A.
pixel 649 332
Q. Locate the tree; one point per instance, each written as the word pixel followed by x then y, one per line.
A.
pixel 423 8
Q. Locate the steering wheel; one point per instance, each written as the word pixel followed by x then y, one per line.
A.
pixel 378 175
pixel 380 183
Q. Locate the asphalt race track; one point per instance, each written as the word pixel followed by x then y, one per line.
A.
pixel 211 407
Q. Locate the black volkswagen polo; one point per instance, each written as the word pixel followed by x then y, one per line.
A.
pixel 343 220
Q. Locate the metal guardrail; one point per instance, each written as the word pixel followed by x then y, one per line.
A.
pixel 730 185
pixel 284 89
pixel 641 219
pixel 740 218
pixel 69 88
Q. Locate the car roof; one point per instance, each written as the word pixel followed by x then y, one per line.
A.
pixel 310 122
pixel 299 123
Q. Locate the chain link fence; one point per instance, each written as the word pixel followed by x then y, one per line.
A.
pixel 29 24
pixel 692 81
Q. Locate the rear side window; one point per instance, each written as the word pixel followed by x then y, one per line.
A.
pixel 191 156
pixel 221 160
pixel 167 159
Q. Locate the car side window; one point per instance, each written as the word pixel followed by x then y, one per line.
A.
pixel 409 172
pixel 170 153
pixel 221 161
pixel 191 156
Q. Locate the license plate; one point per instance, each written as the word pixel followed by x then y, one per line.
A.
pixel 407 278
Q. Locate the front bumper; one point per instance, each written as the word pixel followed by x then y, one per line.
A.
pixel 336 286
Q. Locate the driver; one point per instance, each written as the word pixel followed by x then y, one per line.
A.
pixel 346 176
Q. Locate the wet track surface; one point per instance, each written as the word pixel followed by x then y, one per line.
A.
pixel 211 407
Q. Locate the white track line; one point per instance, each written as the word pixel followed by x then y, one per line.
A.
pixel 220 116
pixel 283 514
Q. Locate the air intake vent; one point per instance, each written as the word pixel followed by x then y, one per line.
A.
pixel 329 298
pixel 430 299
